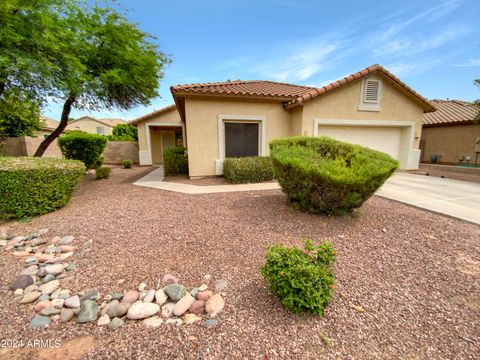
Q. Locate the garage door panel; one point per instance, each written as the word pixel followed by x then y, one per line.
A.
pixel 385 139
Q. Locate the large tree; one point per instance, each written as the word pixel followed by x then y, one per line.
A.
pixel 109 63
pixel 19 114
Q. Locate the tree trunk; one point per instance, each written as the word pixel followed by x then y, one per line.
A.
pixel 2 87
pixel 67 107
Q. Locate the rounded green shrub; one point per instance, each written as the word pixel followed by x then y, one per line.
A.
pixel 323 175
pixel 301 278
pixel 79 145
pixel 102 172
pixel 127 163
pixel 175 161
pixel 36 186
pixel 250 169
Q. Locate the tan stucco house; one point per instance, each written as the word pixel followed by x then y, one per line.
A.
pixel 93 125
pixel 450 134
pixel 48 126
pixel 239 118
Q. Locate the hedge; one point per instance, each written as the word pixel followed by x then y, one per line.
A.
pixel 248 169
pixel 88 148
pixel 35 186
pixel 323 175
pixel 175 161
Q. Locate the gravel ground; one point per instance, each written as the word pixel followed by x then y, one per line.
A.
pixel 415 273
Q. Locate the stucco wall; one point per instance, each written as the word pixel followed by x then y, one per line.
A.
pixel 89 126
pixel 168 117
pixel 117 151
pixel 451 142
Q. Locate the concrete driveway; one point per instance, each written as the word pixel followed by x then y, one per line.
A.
pixel 456 198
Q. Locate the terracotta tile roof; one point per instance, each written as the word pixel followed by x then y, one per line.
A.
pixel 112 122
pixel 153 114
pixel 451 112
pixel 48 123
pixel 369 70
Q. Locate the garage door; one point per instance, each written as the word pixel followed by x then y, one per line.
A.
pixel 386 139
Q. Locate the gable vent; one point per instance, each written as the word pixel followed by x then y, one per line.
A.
pixel 372 91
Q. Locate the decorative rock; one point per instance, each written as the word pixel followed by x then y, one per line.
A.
pixel 194 292
pixel 203 287
pixel 66 240
pixel 149 296
pixel 130 297
pixel 142 310
pixel 153 322
pixel 42 231
pixel 58 303
pixel 88 312
pixel 39 322
pixel 39 306
pixel 142 295
pixel 118 310
pixel 160 297
pixel 49 311
pixel 189 319
pixel 204 295
pixel 21 282
pixel 220 285
pixel 30 297
pixel 49 287
pixel 210 323
pixel 71 266
pixel 50 250
pixel 169 279
pixel 56 239
pixel 48 278
pixel 175 291
pixel 117 296
pixel 183 304
pixel 38 241
pixel 56 269
pixel 55 294
pixel 167 309
pixel 31 259
pixel 104 320
pixel 115 323
pixel 45 257
pixel 31 270
pixel 66 255
pixel 91 294
pixel 66 315
pixel 66 248
pixel 41 272
pixel 176 322
pixel 21 253
pixel 64 294
pixel 107 306
pixel 142 286
pixel 207 277
pixel 18 292
pixel 214 305
pixel 72 302
pixel 120 282
pixel 43 297
pixel 29 288
pixel 197 307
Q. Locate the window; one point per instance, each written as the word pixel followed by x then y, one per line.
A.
pixel 100 130
pixel 241 139
pixel 370 95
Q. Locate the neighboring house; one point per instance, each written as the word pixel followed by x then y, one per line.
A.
pixel 449 135
pixel 239 118
pixel 92 125
pixel 47 128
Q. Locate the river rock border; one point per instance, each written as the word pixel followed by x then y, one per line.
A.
pixel 48 261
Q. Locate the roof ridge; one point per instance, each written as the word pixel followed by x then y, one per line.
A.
pixel 236 82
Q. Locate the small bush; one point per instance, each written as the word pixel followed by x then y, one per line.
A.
pixel 248 169
pixel 175 161
pixel 36 186
pixel 302 278
pixel 127 163
pixel 87 148
pixel 322 175
pixel 102 172
pixel 124 132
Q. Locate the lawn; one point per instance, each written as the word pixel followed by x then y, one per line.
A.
pixel 415 275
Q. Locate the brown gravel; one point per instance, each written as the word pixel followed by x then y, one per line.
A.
pixel 415 273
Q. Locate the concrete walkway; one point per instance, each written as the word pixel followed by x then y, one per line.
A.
pixel 456 198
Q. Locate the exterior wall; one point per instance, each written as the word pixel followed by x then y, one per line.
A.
pixel 26 146
pixel 42 133
pixel 89 125
pixel 297 121
pixel 203 130
pixel 117 151
pixel 451 142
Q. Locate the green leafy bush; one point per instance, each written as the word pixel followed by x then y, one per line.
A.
pixel 175 161
pixel 250 169
pixel 322 175
pixel 102 172
pixel 127 163
pixel 124 132
pixel 36 186
pixel 87 148
pixel 302 278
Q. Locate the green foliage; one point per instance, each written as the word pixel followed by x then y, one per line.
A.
pixel 35 186
pixel 301 278
pixel 249 169
pixel 19 114
pixel 87 148
pixel 175 161
pixel 127 163
pixel 322 175
pixel 102 172
pixel 124 132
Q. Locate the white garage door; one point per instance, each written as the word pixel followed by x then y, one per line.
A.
pixel 386 139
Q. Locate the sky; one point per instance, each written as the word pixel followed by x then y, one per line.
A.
pixel 433 46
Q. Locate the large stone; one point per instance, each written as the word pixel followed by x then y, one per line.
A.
pixel 130 297
pixel 115 323
pixel 30 297
pixel 66 240
pixel 169 279
pixel 140 311
pixel 66 248
pixel 21 282
pixel 31 270
pixel 118 310
pixel 176 322
pixel 39 306
pixel 39 322
pixel 71 266
pixel 183 304
pixel 210 323
pixel 58 303
pixel 33 287
pixel 142 286
pixel 88 312
pixel 64 294
pixel 160 297
pixel 117 296
pixel 204 295
pixel 38 241
pixel 49 311
pixel 167 309
pixel 21 253
pixel 49 287
pixel 92 294
pixel 149 296
pixel 108 305
pixel 55 269
pixel 47 278
pixel 214 305
pixel 66 315
pixel 153 322
pixel 72 302
pixel 175 291
pixel 197 307
pixel 45 257
pixel 189 319
pixel 104 320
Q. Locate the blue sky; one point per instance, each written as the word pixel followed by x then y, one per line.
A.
pixel 434 46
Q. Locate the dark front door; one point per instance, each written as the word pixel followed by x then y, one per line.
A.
pixel 241 139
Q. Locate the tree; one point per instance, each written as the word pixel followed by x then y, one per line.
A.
pixel 19 114
pixel 124 132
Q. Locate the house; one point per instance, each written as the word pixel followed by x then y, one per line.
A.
pixel 93 125
pixel 450 135
pixel 48 125
pixel 239 118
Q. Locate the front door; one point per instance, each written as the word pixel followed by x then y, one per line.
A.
pixel 241 139
pixel 168 140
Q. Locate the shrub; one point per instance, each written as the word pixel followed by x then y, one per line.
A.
pixel 322 175
pixel 36 186
pixel 124 132
pixel 175 161
pixel 127 163
pixel 87 148
pixel 302 278
pixel 102 172
pixel 250 169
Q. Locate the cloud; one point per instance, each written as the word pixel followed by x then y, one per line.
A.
pixel 469 63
